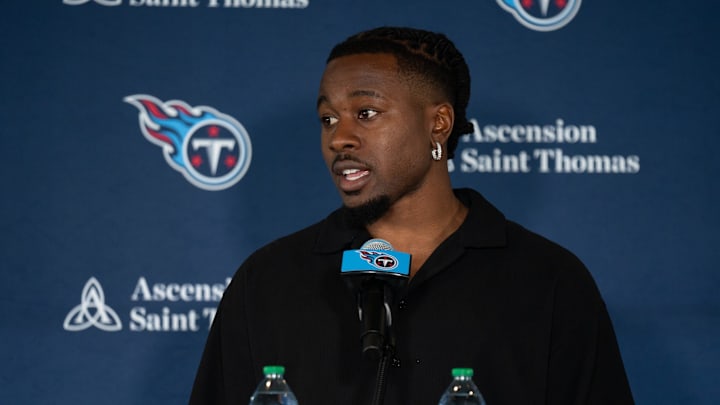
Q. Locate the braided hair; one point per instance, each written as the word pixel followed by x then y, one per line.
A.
pixel 429 56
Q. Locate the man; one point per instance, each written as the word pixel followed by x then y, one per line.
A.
pixel 483 292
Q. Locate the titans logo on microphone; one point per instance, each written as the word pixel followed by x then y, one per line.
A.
pixel 542 15
pixel 211 149
pixel 380 260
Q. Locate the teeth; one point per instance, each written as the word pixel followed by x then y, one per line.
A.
pixel 354 174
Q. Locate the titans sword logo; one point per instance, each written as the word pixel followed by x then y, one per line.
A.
pixel 542 15
pixel 211 149
pixel 380 260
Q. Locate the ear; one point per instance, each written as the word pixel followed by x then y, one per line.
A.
pixel 443 120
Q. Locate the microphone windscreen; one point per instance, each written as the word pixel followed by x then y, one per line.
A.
pixel 377 244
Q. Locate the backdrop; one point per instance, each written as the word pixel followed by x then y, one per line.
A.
pixel 149 146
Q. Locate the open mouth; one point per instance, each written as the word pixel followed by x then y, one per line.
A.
pixel 354 174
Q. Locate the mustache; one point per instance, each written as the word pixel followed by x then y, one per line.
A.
pixel 340 157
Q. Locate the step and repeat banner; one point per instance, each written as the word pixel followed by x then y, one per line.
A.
pixel 149 146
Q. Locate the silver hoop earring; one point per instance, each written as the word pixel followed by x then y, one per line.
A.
pixel 437 153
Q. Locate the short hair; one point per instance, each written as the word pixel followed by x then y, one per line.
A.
pixel 428 55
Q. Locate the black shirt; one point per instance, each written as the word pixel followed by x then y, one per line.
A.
pixel 521 311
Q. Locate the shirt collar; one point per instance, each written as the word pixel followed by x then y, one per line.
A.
pixel 484 225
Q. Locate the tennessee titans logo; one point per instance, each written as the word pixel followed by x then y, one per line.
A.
pixel 379 260
pixel 542 15
pixel 211 149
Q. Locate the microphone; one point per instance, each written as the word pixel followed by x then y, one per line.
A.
pixel 375 273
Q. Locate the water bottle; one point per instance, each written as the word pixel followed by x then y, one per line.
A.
pixel 462 390
pixel 273 389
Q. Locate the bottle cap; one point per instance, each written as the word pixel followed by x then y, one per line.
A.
pixel 274 370
pixel 462 372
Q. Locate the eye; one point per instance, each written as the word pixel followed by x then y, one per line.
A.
pixel 367 114
pixel 328 120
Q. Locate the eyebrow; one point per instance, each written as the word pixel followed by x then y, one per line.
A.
pixel 356 93
pixel 365 93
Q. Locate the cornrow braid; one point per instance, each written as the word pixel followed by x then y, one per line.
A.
pixel 430 56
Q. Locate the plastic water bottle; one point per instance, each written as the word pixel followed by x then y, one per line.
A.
pixel 462 390
pixel 273 389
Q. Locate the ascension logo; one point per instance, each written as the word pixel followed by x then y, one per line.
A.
pixel 542 15
pixel 211 149
pixel 92 311
pixel 103 2
pixel 226 4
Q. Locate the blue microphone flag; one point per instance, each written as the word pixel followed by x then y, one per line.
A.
pixel 369 261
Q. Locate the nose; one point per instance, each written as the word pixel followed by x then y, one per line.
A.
pixel 343 137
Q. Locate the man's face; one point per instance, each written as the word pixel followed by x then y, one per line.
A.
pixel 375 130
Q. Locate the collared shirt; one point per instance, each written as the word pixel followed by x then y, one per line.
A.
pixel 523 312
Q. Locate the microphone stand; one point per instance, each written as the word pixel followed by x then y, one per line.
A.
pixel 377 339
pixel 381 380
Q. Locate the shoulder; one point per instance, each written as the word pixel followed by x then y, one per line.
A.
pixel 569 276
pixel 538 247
pixel 288 247
pixel 271 262
pixel 487 229
pixel 312 246
pixel 518 251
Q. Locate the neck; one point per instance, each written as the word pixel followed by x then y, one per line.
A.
pixel 418 225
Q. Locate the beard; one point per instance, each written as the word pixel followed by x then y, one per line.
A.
pixel 367 212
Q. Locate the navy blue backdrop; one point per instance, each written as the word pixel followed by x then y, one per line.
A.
pixel 149 146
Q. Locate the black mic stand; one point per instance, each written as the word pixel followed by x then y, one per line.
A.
pixel 377 340
pixel 381 379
